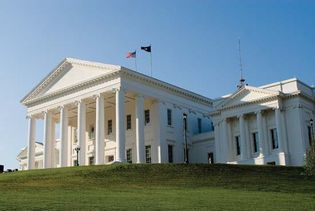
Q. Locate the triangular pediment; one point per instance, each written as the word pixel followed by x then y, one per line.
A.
pixel 246 94
pixel 70 72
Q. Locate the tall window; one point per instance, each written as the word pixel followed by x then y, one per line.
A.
pixel 148 154
pixel 146 117
pixel 109 126
pixel 309 132
pixel 274 138
pixel 91 160
pixel 169 117
pixel 237 145
pixel 170 153
pixel 199 125
pixel 210 158
pixel 129 156
pixel 92 133
pixel 110 158
pixel 128 122
pixel 255 142
pixel 75 137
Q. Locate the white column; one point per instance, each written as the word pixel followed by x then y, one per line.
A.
pixel 48 154
pixel 64 144
pixel 279 129
pixel 217 143
pixel 81 132
pixel 224 141
pixel 140 129
pixel 242 137
pixel 120 125
pixel 260 133
pixel 99 128
pixel 230 142
pixel 31 142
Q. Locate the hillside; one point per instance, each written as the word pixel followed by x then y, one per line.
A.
pixel 159 187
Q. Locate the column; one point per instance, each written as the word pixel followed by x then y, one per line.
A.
pixel 82 131
pixel 99 128
pixel 230 142
pixel 242 137
pixel 64 142
pixel 48 154
pixel 224 141
pixel 140 129
pixel 260 133
pixel 120 125
pixel 217 142
pixel 31 142
pixel 279 129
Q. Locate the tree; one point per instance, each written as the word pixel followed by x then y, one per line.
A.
pixel 309 166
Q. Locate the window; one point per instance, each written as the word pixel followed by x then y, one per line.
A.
pixel 110 158
pixel 146 117
pixel 110 126
pixel 274 138
pixel 309 132
pixel 91 160
pixel 129 156
pixel 210 158
pixel 212 126
pixel 170 153
pixel 169 117
pixel 199 125
pixel 75 137
pixel 92 133
pixel 148 154
pixel 237 144
pixel 128 122
pixel 255 142
pixel 75 163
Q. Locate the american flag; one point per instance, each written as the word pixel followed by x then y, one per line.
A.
pixel 131 54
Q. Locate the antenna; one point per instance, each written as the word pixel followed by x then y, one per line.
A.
pixel 242 80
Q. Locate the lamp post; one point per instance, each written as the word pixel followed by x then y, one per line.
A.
pixel 312 130
pixel 185 138
pixel 77 149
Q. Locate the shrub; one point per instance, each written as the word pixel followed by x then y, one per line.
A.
pixel 309 166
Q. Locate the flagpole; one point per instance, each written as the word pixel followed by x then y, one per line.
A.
pixel 136 62
pixel 151 61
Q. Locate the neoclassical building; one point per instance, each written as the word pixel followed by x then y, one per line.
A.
pixel 114 114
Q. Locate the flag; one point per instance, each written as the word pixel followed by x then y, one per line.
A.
pixel 131 55
pixel 147 48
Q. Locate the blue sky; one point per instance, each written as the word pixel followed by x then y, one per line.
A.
pixel 194 44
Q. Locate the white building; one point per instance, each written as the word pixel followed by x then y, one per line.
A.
pixel 116 114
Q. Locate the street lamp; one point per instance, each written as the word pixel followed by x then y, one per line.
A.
pixel 312 130
pixel 77 149
pixel 185 138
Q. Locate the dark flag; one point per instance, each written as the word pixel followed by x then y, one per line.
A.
pixel 131 55
pixel 147 48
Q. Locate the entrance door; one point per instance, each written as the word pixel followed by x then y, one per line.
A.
pixel 210 158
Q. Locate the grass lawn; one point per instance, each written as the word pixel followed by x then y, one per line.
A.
pixel 158 187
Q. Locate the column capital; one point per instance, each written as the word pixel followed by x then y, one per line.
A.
pixel 98 95
pixel 118 89
pixel 78 102
pixel 240 116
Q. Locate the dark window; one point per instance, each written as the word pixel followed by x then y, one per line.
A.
pixel 91 160
pixel 148 154
pixel 274 138
pixel 210 158
pixel 92 133
pixel 169 117
pixel 237 144
pixel 309 131
pixel 129 156
pixel 128 122
pixel 109 126
pixel 272 163
pixel 170 153
pixel 212 126
pixel 110 158
pixel 255 142
pixel 199 125
pixel 146 117
pixel 75 162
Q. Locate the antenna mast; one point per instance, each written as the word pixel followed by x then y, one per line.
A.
pixel 242 80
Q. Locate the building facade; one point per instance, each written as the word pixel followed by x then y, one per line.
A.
pixel 114 114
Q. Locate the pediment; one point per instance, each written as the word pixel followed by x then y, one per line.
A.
pixel 246 95
pixel 68 73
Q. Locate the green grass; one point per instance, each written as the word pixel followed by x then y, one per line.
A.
pixel 159 187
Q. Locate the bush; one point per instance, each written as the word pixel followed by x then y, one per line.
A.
pixel 309 167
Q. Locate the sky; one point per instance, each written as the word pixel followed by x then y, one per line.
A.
pixel 194 46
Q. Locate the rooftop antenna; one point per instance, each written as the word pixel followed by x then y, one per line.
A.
pixel 242 80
